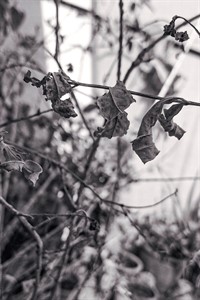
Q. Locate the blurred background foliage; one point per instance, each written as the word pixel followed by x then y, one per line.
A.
pixel 115 254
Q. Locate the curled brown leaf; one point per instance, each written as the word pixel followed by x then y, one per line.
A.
pixel 166 121
pixel 112 107
pixel 143 145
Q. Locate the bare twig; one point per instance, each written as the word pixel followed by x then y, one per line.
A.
pixel 69 201
pixel 163 179
pixel 106 87
pixel 82 115
pixel 120 39
pixel 188 22
pixel 36 237
pixel 24 250
pixel 12 209
pixel 57 47
pixel 141 55
pixel 142 206
pixel 61 265
pixel 26 208
pixel 39 244
pixel 93 150
pixel 38 113
pixel 18 65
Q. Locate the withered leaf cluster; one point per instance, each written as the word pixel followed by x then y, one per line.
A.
pixel 55 85
pixel 112 106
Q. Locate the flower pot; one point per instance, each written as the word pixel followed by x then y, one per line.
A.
pixel 143 287
pixel 130 264
pixel 142 292
pixel 167 272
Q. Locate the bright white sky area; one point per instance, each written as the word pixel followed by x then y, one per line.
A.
pixel 177 158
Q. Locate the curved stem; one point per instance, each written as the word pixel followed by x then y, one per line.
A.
pixel 188 22
pixel 141 55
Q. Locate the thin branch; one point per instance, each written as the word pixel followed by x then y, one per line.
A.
pixel 81 10
pixel 63 166
pixel 12 226
pixel 120 39
pixel 164 179
pixel 61 265
pixel 141 55
pixel 142 206
pixel 29 247
pixel 12 209
pixel 39 244
pixel 38 113
pixel 189 22
pixel 69 201
pixel 18 65
pixel 106 87
pixel 82 115
pixel 57 47
pixel 35 236
pixel 93 150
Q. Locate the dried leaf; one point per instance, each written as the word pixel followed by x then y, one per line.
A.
pixel 112 106
pixel 32 170
pixel 116 101
pixel 178 35
pixel 64 108
pixel 12 161
pixel 9 152
pixel 167 123
pixel 61 82
pixel 143 145
pixel 12 165
pixel 115 127
pixel 55 85
pixel 181 36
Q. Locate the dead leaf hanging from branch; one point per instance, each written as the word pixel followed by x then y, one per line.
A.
pixel 143 145
pixel 112 107
pixel 55 85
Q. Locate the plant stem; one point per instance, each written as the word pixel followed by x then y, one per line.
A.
pixel 120 39
pixel 187 21
pixel 149 96
pixel 38 113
